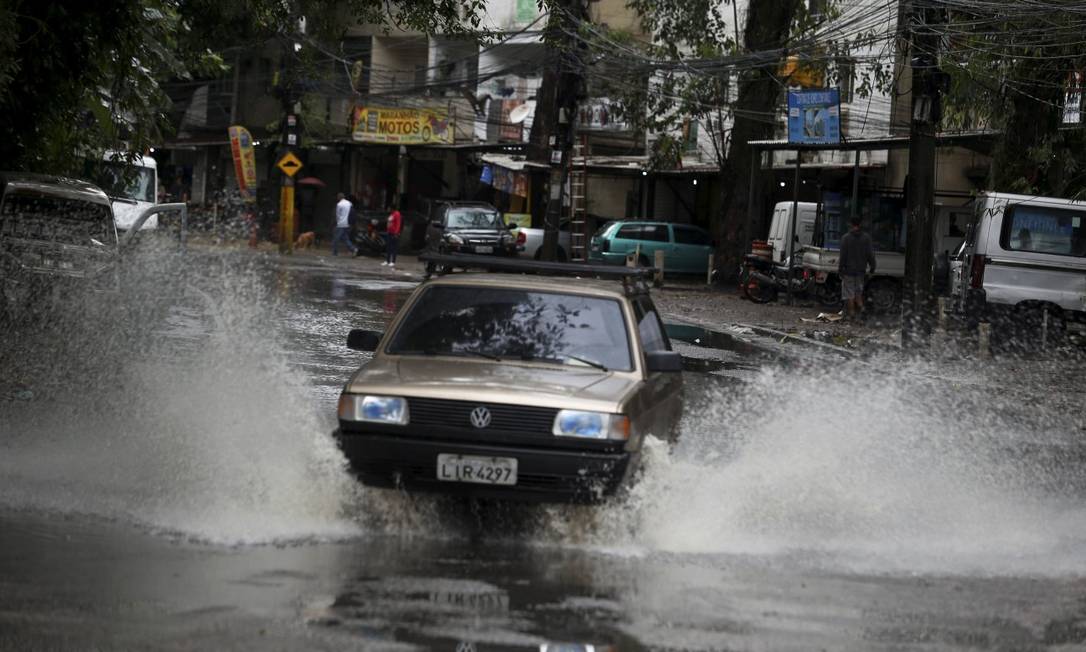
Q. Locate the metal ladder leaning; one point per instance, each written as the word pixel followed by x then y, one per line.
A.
pixel 578 202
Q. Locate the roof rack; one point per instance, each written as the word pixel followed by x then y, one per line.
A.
pixel 634 279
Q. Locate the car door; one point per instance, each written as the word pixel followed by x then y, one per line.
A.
pixel 659 402
pixel 629 237
pixel 656 237
pixel 691 250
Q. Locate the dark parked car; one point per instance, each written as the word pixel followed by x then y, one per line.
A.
pixel 57 239
pixel 468 228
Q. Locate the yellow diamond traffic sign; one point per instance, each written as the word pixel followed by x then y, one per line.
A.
pixel 289 164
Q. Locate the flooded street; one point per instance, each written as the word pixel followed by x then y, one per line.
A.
pixel 168 481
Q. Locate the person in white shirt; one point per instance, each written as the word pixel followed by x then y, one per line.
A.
pixel 343 225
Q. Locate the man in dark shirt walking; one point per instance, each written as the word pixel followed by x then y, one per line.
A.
pixel 857 253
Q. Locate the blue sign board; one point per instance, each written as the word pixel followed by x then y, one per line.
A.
pixel 814 116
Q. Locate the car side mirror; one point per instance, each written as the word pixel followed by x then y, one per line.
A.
pixel 666 361
pixel 437 224
pixel 362 340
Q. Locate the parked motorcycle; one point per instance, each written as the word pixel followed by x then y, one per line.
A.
pixel 761 280
pixel 369 240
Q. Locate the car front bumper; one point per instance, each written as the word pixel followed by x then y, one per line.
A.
pixel 480 250
pixel 543 475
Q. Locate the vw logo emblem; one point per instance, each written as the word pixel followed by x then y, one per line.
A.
pixel 480 417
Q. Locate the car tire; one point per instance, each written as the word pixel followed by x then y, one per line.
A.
pixel 828 294
pixel 759 292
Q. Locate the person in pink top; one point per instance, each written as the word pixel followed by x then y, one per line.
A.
pixel 395 223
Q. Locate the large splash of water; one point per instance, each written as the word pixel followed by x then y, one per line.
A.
pixel 883 467
pixel 173 405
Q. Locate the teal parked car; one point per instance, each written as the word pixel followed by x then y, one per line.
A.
pixel 686 248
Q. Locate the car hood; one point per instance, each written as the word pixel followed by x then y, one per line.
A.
pixel 476 233
pixel 483 380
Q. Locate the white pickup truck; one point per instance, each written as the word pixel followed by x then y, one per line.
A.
pixel 532 240
pixel 882 290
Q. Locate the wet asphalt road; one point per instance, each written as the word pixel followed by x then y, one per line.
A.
pixel 192 500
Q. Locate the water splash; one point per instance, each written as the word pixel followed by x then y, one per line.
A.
pixel 173 405
pixel 881 468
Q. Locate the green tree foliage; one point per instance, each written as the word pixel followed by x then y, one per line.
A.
pixel 1010 71
pixel 81 76
pixel 699 68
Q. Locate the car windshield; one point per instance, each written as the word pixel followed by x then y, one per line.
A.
pixel 515 324
pixel 474 218
pixel 130 182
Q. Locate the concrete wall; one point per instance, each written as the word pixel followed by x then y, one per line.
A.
pixel 607 194
pixel 397 61
pixel 452 61
pixel 951 164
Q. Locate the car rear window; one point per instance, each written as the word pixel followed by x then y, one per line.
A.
pixel 34 216
pixel 514 324
pixel 1045 230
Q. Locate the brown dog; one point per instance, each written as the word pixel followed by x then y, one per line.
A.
pixel 306 240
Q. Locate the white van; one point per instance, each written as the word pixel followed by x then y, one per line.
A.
pixel 132 187
pixel 781 227
pixel 1023 257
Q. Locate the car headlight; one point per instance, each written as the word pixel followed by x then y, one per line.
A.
pixel 591 425
pixel 452 238
pixel 373 409
pixel 508 238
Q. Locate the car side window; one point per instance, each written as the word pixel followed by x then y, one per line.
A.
pixel 1042 229
pixel 656 233
pixel 649 326
pixel 691 236
pixel 630 232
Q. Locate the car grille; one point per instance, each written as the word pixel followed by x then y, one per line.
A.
pixel 503 417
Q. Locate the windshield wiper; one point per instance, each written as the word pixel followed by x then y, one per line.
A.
pixel 528 357
pixel 590 363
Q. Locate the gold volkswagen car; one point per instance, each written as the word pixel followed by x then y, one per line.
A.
pixel 526 387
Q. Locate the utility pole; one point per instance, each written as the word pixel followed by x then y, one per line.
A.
pixel 286 192
pixel 923 51
pixel 561 99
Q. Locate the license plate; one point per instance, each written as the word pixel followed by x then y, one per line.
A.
pixel 484 250
pixel 481 470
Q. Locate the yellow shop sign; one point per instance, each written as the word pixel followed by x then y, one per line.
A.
pixel 401 126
